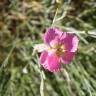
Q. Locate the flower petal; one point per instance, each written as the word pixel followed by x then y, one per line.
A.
pixel 43 57
pixel 53 63
pixel 51 34
pixel 50 61
pixel 75 42
pixel 40 47
pixel 67 57
pixel 70 41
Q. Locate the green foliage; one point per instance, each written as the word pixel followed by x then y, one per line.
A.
pixel 22 24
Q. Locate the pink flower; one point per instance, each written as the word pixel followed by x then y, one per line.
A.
pixel 61 48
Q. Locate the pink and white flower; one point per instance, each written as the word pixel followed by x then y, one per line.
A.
pixel 61 48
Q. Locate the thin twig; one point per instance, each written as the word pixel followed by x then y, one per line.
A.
pixel 54 17
pixel 42 85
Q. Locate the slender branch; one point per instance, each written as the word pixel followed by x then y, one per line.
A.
pixel 54 17
pixel 42 85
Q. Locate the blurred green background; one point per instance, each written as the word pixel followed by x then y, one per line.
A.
pixel 22 25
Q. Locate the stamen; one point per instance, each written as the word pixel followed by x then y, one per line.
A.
pixel 58 48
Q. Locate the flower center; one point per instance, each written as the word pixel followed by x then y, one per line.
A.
pixel 59 49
